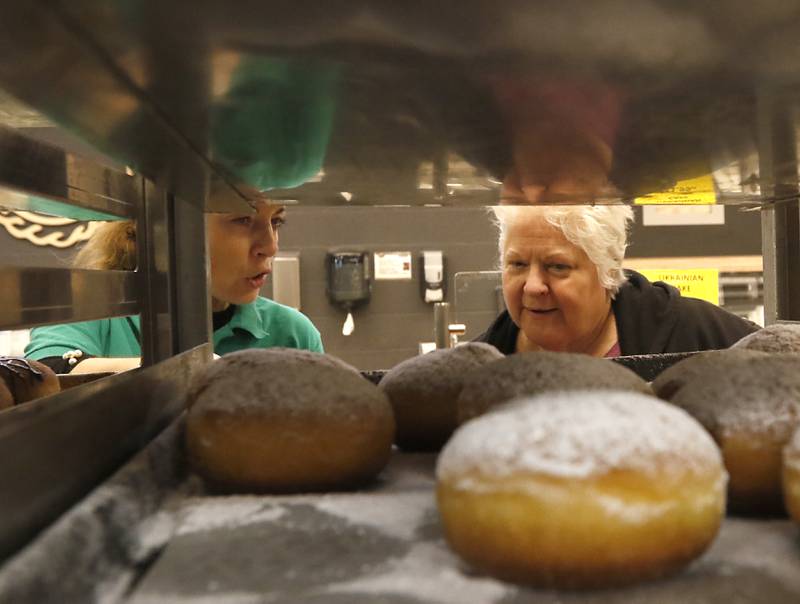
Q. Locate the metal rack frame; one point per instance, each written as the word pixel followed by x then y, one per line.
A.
pixel 54 450
pixel 780 223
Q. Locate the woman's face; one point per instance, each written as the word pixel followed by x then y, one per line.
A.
pixel 551 288
pixel 241 247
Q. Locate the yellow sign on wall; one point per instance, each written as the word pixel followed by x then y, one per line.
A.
pixel 694 191
pixel 700 283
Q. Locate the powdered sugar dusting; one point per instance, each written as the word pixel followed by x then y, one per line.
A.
pixel 206 514
pixel 290 384
pixel 397 514
pixel 214 598
pixel 781 337
pixel 532 373
pixel 580 434
pixel 437 375
pixel 768 546
pixel 423 572
pixel 673 378
pixel 757 395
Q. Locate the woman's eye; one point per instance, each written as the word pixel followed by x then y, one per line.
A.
pixel 278 222
pixel 559 268
pixel 243 220
pixel 516 264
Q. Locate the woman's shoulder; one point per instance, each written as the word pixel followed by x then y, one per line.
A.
pixel 265 306
pixel 656 318
pixel 704 311
pixel 277 314
pixel 287 326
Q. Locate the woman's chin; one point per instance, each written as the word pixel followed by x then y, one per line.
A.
pixel 247 298
pixel 240 299
pixel 549 344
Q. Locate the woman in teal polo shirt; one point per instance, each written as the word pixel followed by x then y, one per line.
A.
pixel 241 248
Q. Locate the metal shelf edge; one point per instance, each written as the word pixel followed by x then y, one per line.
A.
pixel 53 451
pixel 37 296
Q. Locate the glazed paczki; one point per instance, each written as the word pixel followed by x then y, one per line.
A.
pixel 751 407
pixel 286 420
pixel 22 380
pixel 424 389
pixel 531 373
pixel 581 489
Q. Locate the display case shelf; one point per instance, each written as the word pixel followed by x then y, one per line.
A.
pixel 38 177
pixel 55 449
pixel 38 296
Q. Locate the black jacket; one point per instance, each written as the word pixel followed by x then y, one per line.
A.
pixel 651 318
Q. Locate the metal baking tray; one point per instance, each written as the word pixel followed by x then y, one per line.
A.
pixel 646 366
pixel 151 534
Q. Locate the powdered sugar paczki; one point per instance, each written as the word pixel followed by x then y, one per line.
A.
pixel 757 396
pixel 673 378
pixel 578 435
pixel 780 337
pixel 533 373
pixel 438 374
pixel 287 383
pixel 423 391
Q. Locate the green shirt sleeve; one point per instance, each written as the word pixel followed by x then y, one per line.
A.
pixel 115 337
pixel 55 340
pixel 298 328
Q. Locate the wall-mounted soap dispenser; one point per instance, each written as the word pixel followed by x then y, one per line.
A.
pixel 432 276
pixel 349 283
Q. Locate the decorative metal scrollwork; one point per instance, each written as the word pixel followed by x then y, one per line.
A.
pixel 44 230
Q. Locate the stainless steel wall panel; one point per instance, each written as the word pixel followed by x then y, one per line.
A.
pixel 286 279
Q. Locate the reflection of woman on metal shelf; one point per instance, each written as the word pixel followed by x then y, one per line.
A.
pixel 565 290
pixel 271 127
pixel 241 248
pixel 561 138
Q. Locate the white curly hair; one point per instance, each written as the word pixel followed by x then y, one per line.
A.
pixel 600 231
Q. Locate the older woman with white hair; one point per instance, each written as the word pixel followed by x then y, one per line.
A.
pixel 565 290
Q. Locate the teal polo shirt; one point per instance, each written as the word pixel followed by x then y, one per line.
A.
pixel 260 324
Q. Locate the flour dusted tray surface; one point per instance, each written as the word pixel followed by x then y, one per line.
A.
pixel 385 545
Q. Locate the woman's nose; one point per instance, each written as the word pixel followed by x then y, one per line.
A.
pixel 535 284
pixel 266 244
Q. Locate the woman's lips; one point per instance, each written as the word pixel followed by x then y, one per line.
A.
pixel 257 281
pixel 541 311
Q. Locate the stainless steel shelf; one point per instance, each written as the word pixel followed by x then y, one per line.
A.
pixel 37 296
pixel 365 98
pixel 55 450
pixel 77 85
pixel 41 178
